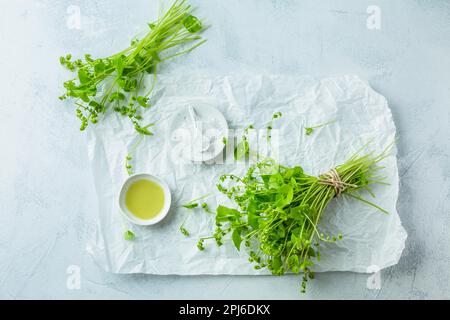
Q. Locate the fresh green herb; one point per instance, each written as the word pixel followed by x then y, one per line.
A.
pixel 206 208
pixel 128 235
pixel 184 231
pixel 116 82
pixel 194 203
pixel 128 165
pixel 269 126
pixel 190 205
pixel 242 149
pixel 129 157
pixel 200 245
pixel 310 130
pixel 192 24
pixel 277 115
pixel 278 210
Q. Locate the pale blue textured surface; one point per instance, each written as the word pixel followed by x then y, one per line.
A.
pixel 47 200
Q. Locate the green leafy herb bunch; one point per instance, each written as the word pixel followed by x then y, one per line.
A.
pixel 278 209
pixel 116 82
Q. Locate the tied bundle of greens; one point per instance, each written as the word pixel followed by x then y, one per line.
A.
pixel 278 210
pixel 121 75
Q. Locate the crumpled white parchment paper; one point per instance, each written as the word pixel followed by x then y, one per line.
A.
pixel 372 240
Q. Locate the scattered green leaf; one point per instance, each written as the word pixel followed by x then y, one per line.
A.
pixel 190 205
pixel 128 235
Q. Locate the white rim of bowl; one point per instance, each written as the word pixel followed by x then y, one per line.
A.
pixel 131 217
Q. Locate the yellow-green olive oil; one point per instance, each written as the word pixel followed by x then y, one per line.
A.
pixel 144 199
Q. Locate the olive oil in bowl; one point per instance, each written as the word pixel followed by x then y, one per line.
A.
pixel 144 199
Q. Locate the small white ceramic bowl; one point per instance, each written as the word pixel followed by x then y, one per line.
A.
pixel 131 217
pixel 207 112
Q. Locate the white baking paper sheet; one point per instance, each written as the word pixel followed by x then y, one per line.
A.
pixel 371 239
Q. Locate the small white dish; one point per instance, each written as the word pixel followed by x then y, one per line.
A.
pixel 213 124
pixel 131 217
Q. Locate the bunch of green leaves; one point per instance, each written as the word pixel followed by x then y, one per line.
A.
pixel 116 82
pixel 278 209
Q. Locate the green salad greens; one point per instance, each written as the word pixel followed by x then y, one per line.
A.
pixel 277 210
pixel 116 82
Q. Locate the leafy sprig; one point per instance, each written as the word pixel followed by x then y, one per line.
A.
pixel 242 149
pixel 309 130
pixel 128 165
pixel 269 126
pixel 192 205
